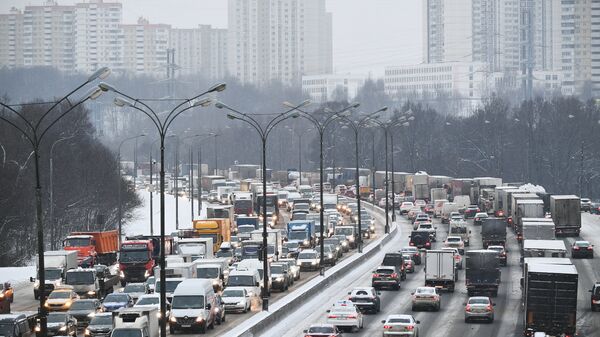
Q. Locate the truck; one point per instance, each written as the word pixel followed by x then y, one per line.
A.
pixel 273 242
pixel 136 262
pixel 216 270
pixel 243 203
pixel 550 299
pixel 330 201
pixel 438 194
pixel 544 248
pixel 482 275
pixel 301 231
pixel 438 207
pixel 136 322
pixel 459 228
pixel 272 205
pixel 179 270
pixel 169 244
pixel 224 193
pixel 493 232
pixel 538 230
pixel 245 225
pixel 93 247
pixel 197 248
pixel 440 269
pixel 421 191
pixel 448 208
pixel 18 324
pixel 90 282
pixel 515 198
pixel 526 208
pixel 56 264
pixel 566 214
pixel 252 249
pixel 219 230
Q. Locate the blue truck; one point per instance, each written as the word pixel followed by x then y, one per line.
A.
pixel 302 232
pixel 245 226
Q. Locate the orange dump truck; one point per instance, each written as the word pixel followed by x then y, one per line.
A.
pixel 93 247
pixel 217 229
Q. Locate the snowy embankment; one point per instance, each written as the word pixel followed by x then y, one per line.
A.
pixel 17 276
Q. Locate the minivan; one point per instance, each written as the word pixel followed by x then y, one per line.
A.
pixel 192 307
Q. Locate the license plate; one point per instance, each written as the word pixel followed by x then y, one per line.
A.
pixel 186 325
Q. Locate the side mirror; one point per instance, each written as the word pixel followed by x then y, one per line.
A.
pixel 383 321
pixel 32 279
pixel 305 331
pixel 349 293
pixel 465 303
pixel 327 310
pixel 494 304
pixel 379 293
pixel 257 284
pixel 469 232
pixel 208 306
pixel 589 291
pixel 412 293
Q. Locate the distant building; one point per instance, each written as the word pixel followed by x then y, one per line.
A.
pixel 201 50
pixel 145 47
pixel 11 38
pixel 330 87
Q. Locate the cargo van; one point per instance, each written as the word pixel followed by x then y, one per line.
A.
pixel 193 306
pixel 248 279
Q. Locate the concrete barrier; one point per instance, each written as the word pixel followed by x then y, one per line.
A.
pixel 257 324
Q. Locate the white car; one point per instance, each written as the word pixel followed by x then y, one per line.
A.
pixel 420 203
pixel 426 297
pixel 400 325
pixel 236 300
pixel 455 242
pixel 457 257
pixel 344 314
pixel 406 206
pixel 151 301
pixel 308 259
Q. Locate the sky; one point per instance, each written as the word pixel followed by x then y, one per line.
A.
pixel 367 34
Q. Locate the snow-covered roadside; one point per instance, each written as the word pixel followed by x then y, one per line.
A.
pixel 17 276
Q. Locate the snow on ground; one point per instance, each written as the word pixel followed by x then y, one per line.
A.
pixel 17 276
pixel 533 188
pixel 140 224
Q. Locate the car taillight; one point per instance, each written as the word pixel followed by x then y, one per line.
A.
pixel 576 248
pixel 510 220
pixel 410 327
pixel 394 275
pixel 332 316
pixel 503 254
pixel 351 316
pixel 375 275
pixel 488 308
pixel 476 219
pixel 590 248
pixel 416 254
pixel 427 244
pixel 411 243
pixel 468 308
pixel 387 327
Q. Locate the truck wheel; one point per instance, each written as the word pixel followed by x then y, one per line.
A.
pixel 123 283
pixel 171 330
pixel 36 296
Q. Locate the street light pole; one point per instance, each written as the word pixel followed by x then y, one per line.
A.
pixel 34 135
pixel 263 132
pixel 52 224
pixel 119 201
pixel 162 128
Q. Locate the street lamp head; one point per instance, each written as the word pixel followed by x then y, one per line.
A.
pixel 101 73
pixel 203 102
pixel 295 115
pixel 121 102
pixel 217 87
pixel 487 122
pixel 354 105
pixel 94 93
pixel 405 124
pixel 106 87
pixel 448 123
pixel 517 120
pixel 303 104
pixel 219 105
pixel 571 116
pixel 230 116
pixel 411 118
pixel 382 109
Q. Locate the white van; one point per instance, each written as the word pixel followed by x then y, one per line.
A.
pixel 248 279
pixel 254 264
pixel 193 306
pixel 216 270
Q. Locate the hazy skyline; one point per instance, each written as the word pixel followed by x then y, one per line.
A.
pixel 367 35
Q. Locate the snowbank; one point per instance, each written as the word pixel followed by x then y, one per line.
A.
pixel 533 188
pixel 17 276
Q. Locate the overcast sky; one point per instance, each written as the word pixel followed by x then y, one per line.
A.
pixel 367 34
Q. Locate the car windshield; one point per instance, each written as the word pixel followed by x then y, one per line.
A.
pixel 479 301
pixel 276 269
pixel 225 253
pixel 53 274
pixel 321 329
pixel 297 235
pixel 83 305
pixel 59 295
pixel 134 256
pixel 193 249
pixel 148 301
pixel 597 291
pixel 399 320
pixel 240 280
pixel 453 239
pixel 245 229
pixel 425 291
pixel 77 242
pixel 425 226
pixel 116 298
pixel 307 255
pixel 458 230
pixel 582 243
pixel 57 318
pixel 188 302
pixel 211 272
pixel 170 287
pixel 101 320
pixel 292 245
pixel 409 250
pixel 385 271
pixel 134 288
pixel 233 293
pixel 344 231
pixel 124 332
pixel 80 277
pixel 330 242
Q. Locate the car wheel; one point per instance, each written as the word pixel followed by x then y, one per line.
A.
pixel 413 308
pixel 466 320
pixel 171 330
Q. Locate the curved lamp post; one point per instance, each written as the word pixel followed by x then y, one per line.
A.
pixel 120 212
pixel 34 133
pixel 263 132
pixel 162 125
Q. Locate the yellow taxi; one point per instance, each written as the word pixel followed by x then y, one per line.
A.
pixel 60 299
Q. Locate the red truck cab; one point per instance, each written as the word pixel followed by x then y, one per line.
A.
pixel 93 247
pixel 136 262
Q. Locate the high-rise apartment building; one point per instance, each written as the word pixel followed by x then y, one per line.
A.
pixel 201 50
pixel 278 40
pixel 145 47
pixel 11 38
pixel 447 28
pixel 595 47
pixel 99 37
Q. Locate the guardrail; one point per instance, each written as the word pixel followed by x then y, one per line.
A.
pixel 259 323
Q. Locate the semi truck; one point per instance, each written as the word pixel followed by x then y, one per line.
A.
pixel 245 225
pixel 566 214
pixel 330 201
pixel 252 249
pixel 273 242
pixel 56 264
pixel 544 248
pixel 169 244
pixel 301 231
pixel 526 208
pixel 93 247
pixel 90 282
pixel 493 232
pixel 197 248
pixel 243 203
pixel 532 230
pixel 550 299
pixel 438 194
pixel 440 269
pixel 482 275
pixel 136 262
pixel 217 229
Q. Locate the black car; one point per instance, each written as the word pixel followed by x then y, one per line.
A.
pixel 420 239
pixel 396 260
pixel 280 278
pixel 60 324
pixel 582 249
pixel 366 299
pixel 471 211
pixel 386 276
pixel 595 296
pixel 83 310
pixel 101 325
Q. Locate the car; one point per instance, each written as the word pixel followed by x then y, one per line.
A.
pixel 455 241
pixel 406 206
pixel 100 325
pixel 61 299
pixel 455 216
pixel 7 293
pixel 293 268
pixel 335 242
pixel 326 330
pixel 366 299
pixel 386 277
pixel 236 300
pixel 344 314
pixel 60 324
pixel 219 308
pixel 428 297
pixel 293 248
pixel 420 203
pixel 280 279
pixel 422 217
pixel 395 259
pixel 479 307
pixel 595 297
pixel 420 239
pixel 595 208
pixel 329 255
pixel 581 249
pixel 428 226
pixel 413 252
pixel 429 209
pixel 116 301
pixel 501 253
pixel 457 257
pixel 412 213
pixel 151 282
pixel 135 290
pixel 479 218
pixel 409 264
pixel 400 325
pixel 586 204
pixel 308 259
pixel 344 242
pixel 84 309
pixel 471 211
pixel 152 301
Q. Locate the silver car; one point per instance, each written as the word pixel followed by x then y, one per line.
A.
pixel 479 307
pixel 400 325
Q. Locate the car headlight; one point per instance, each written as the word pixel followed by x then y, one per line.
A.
pixel 92 314
pixel 314 263
pixel 36 284
pixel 37 328
pixel 241 303
pixel 337 248
pixel 87 332
pixel 68 303
pixel 306 242
pixel 351 239
pixel 299 263
pixel 173 319
pixel 159 314
pixel 330 255
pixel 215 283
pixel 344 243
pixel 91 293
pixel 279 279
pixel 122 274
pixel 63 328
pixel 147 274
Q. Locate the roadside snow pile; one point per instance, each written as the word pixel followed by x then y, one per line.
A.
pixel 17 276
pixel 533 188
